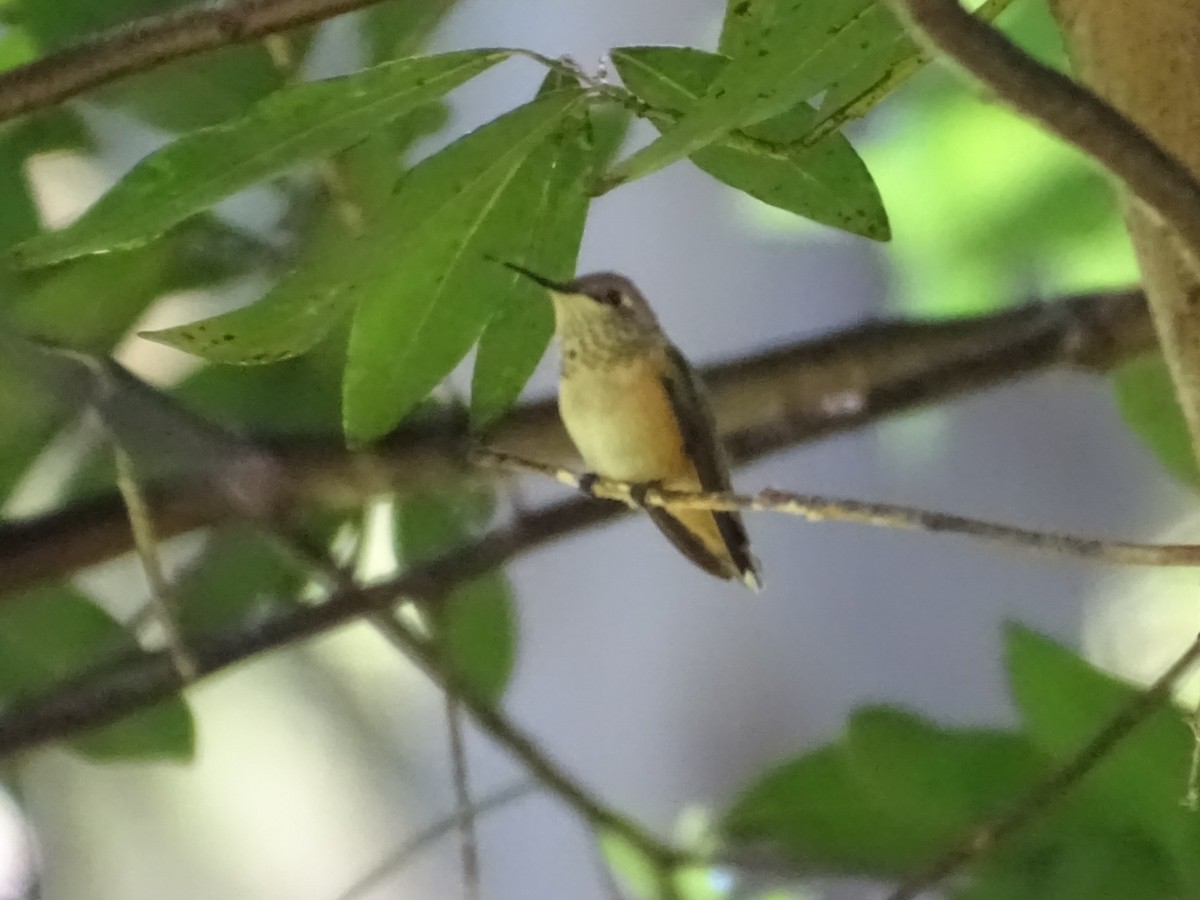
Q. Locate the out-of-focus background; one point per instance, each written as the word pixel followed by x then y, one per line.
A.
pixel 659 687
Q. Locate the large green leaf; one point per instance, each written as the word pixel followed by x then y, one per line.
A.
pixel 810 44
pixel 50 634
pixel 423 282
pixel 826 182
pixel 1146 399
pixel 1064 702
pixel 296 124
pixel 517 334
pixel 476 626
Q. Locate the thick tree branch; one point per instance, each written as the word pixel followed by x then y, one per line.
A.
pixel 152 41
pixel 764 403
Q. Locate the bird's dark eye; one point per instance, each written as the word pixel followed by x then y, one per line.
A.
pixel 612 297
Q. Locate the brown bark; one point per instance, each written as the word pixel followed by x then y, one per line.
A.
pixel 1142 56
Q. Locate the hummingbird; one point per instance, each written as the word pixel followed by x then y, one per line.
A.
pixel 637 412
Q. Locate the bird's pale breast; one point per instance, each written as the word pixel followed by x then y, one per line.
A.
pixel 620 419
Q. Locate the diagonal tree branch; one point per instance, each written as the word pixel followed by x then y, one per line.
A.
pixel 152 41
pixel 764 403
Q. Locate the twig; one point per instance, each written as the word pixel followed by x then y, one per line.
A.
pixel 152 41
pixel 142 526
pixel 1057 785
pixel 460 775
pixel 402 855
pixel 1064 108
pixel 815 508
pixel 765 402
pixel 524 748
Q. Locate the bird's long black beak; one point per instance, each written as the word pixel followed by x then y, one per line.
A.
pixel 548 284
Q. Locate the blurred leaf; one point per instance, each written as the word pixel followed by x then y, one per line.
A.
pixel 477 625
pixel 1064 702
pixel 948 779
pixel 517 333
pixel 809 45
pixel 402 27
pixel 50 634
pixel 294 124
pixel 88 304
pixel 424 285
pixel 812 812
pixel 886 798
pixel 633 870
pixel 237 576
pixel 744 25
pixel 826 182
pixel 1082 865
pixel 1146 398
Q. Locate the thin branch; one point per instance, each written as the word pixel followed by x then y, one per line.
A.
pixel 153 41
pixel 141 524
pixel 460 776
pixel 1064 108
pixel 435 832
pixel 764 402
pixel 1055 786
pixel 816 508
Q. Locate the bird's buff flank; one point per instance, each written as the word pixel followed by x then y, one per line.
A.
pixel 637 412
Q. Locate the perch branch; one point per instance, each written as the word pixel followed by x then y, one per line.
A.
pixel 815 508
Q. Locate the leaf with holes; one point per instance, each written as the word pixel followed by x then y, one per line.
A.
pixel 827 182
pixel 810 44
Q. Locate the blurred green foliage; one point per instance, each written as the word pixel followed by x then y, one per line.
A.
pixel 377 283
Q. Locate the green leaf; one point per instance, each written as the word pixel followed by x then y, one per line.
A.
pixel 809 45
pixel 944 779
pixel 1146 398
pixel 238 575
pixel 50 634
pixel 826 182
pixel 744 25
pixel 886 798
pixel 424 285
pixel 1082 864
pixel 401 27
pixel 517 334
pixel 1064 702
pixel 292 125
pixel 286 324
pixel 477 625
